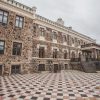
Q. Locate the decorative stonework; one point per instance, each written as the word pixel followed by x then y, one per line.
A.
pixel 29 36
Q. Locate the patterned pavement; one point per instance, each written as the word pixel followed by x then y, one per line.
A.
pixel 67 85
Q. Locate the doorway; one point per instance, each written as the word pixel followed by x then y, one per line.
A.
pixel 66 66
pixel 0 70
pixel 15 69
pixel 56 68
pixel 41 67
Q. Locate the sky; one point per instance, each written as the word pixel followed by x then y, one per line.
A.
pixel 82 15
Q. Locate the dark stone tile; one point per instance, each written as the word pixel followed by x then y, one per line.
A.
pixel 22 97
pixel 83 95
pixel 2 94
pixel 59 94
pixel 11 95
pixel 46 99
pixel 48 93
pixel 37 92
pixel 34 98
pixel 71 95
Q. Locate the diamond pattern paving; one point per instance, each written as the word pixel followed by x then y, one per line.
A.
pixel 67 85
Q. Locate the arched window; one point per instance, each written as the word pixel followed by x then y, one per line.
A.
pixel 64 38
pixel 54 35
pixel 79 42
pixel 73 54
pixel 55 53
pixel 79 55
pixel 65 54
pixel 41 52
pixel 72 40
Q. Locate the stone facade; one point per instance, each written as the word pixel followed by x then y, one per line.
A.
pixel 67 40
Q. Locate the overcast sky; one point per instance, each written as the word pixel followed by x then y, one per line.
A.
pixel 82 15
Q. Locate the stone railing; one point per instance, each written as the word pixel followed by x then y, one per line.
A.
pixel 68 29
pixel 90 45
pixel 19 5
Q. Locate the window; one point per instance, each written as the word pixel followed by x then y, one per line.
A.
pixel 42 32
pixel 64 38
pixel 2 45
pixel 65 55
pixel 73 41
pixel 3 17
pixel 17 48
pixel 0 70
pixel 19 22
pixel 54 35
pixel 15 69
pixel 55 53
pixel 41 52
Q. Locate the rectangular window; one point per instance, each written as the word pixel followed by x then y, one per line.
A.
pixel 64 38
pixel 41 52
pixel 2 46
pixel 42 32
pixel 3 17
pixel 65 55
pixel 0 70
pixel 55 53
pixel 15 69
pixel 54 35
pixel 17 48
pixel 19 21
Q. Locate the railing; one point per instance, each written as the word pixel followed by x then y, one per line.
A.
pixel 75 59
pixel 19 5
pixel 63 27
pixel 87 59
pixel 90 45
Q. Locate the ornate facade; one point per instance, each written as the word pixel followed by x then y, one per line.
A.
pixel 31 43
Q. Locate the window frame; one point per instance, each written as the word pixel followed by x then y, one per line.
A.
pixel 42 32
pixel 16 54
pixel 19 21
pixel 3 16
pixel 65 54
pixel 54 35
pixel 3 47
pixel 42 53
pixel 55 53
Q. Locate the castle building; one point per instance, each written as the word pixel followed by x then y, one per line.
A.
pixel 31 43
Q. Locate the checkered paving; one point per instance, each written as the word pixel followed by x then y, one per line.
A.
pixel 67 85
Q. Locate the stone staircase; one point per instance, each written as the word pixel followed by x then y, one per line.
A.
pixel 88 67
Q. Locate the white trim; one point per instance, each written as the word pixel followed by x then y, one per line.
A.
pixel 65 50
pixel 56 43
pixel 55 48
pixel 39 45
pixel 86 48
pixel 40 26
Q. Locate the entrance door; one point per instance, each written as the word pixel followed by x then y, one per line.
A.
pixel 55 68
pixel 15 69
pixel 0 70
pixel 41 67
pixel 66 66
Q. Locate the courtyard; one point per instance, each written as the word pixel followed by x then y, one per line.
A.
pixel 67 85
